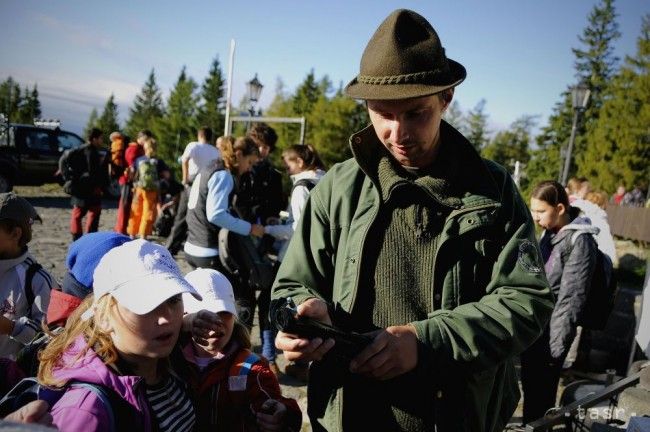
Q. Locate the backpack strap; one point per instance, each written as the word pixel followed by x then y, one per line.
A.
pixel 239 370
pixel 29 290
pixel 309 184
pixel 101 393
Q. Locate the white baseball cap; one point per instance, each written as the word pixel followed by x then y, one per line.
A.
pixel 215 289
pixel 141 275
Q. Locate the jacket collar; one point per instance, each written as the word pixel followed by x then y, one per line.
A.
pixel 463 178
pixel 77 365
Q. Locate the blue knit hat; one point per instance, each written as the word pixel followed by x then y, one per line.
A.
pixel 84 255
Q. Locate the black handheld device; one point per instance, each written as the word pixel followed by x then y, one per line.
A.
pixel 285 318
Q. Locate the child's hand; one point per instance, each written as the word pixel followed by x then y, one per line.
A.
pixel 271 416
pixel 201 325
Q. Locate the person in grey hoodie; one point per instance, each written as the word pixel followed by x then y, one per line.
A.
pixel 569 260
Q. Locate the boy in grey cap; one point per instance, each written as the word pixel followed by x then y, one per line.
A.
pixel 24 285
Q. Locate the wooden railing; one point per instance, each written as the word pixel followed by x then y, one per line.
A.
pixel 629 222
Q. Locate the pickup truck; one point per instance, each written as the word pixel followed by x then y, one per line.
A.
pixel 29 155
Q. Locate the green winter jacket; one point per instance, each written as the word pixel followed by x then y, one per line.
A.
pixel 491 297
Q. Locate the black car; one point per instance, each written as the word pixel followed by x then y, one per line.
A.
pixel 29 155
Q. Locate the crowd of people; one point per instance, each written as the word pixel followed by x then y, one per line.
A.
pixel 416 241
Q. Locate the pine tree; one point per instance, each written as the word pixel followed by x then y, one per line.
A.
pixel 307 95
pixel 512 145
pixel 476 126
pixel 92 123
pixel 108 120
pixel 211 111
pixel 10 98
pixel 30 106
pixel 619 141
pixel 147 108
pixel 594 65
pixel 454 116
pixel 338 117
pixel 178 126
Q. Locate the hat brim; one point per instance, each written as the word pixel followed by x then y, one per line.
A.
pixel 357 90
pixel 144 295
pixel 214 305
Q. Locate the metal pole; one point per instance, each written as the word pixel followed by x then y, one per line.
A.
pixel 567 160
pixel 303 126
pixel 229 92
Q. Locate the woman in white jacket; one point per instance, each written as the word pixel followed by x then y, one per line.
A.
pixel 305 169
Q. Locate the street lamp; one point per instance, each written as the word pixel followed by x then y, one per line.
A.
pixel 580 97
pixel 253 92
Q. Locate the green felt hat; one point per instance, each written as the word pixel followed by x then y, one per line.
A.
pixel 404 59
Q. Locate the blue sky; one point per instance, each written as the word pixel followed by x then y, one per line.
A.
pixel 517 52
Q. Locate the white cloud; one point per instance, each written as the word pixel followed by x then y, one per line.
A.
pixel 79 35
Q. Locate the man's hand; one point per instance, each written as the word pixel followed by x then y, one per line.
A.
pixel 296 348
pixel 272 416
pixel 393 352
pixel 201 325
pixel 34 412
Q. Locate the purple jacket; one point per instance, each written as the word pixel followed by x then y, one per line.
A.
pixel 80 409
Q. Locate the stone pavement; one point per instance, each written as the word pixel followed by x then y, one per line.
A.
pixel 50 243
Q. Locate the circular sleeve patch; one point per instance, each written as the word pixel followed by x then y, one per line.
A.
pixel 528 257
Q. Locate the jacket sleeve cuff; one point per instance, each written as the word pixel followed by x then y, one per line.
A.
pixel 428 333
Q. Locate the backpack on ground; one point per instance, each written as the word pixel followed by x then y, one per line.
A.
pixel 147 175
pixel 121 414
pixel 601 293
pixel 240 257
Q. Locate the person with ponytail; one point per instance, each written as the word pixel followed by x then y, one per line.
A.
pixel 570 261
pixel 209 210
pixel 119 340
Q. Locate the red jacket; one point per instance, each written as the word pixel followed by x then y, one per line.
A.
pixel 231 390
pixel 132 152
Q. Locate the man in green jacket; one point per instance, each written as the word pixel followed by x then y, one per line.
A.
pixel 421 244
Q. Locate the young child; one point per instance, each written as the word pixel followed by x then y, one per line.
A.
pixel 569 265
pixel 24 285
pixel 235 389
pixel 120 339
pixel 82 259
pixel 146 198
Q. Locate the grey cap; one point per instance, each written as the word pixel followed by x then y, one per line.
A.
pixel 17 208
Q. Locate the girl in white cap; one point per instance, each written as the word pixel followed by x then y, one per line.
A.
pixel 118 340
pixel 235 389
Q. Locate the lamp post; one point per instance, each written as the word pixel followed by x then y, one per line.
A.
pixel 253 91
pixel 580 97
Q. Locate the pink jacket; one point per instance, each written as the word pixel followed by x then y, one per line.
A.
pixel 80 409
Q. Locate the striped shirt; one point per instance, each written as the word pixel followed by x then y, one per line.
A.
pixel 171 406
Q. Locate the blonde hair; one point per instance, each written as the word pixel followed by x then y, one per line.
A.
pixel 598 197
pixel 91 329
pixel 150 146
pixel 246 145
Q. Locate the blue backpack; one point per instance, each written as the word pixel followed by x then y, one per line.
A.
pixel 120 413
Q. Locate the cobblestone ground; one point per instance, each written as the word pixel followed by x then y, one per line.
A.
pixel 50 242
